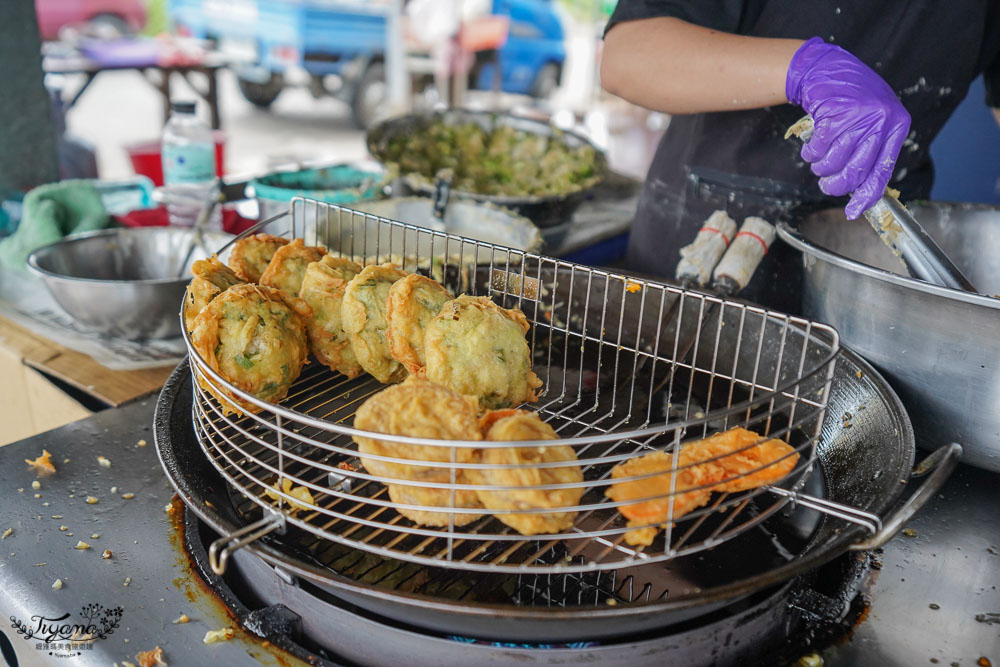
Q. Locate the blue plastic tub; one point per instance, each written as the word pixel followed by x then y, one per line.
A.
pixel 337 184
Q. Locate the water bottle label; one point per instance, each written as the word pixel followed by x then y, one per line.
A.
pixel 191 163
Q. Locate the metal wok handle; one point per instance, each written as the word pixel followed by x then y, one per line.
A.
pixel 939 465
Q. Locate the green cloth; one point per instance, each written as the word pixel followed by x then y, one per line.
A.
pixel 51 212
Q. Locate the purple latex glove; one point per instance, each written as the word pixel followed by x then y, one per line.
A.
pixel 859 123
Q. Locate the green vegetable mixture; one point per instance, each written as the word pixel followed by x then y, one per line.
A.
pixel 503 161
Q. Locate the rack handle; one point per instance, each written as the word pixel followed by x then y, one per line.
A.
pixel 221 549
pixel 938 466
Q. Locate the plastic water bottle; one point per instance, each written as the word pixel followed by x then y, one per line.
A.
pixel 188 153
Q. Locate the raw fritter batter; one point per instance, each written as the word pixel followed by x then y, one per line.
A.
pixel 363 317
pixel 502 161
pixel 211 278
pixel 323 289
pixel 478 349
pixel 288 266
pixel 251 255
pixel 507 425
pixel 254 336
pixel 413 303
pixel 421 409
pixel 766 462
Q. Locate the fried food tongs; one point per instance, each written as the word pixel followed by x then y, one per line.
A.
pixel 898 229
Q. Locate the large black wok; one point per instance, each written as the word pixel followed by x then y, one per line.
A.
pixel 864 461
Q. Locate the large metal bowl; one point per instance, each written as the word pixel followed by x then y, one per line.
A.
pixel 543 210
pixel 123 282
pixel 938 347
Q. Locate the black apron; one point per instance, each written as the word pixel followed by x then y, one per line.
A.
pixel 929 51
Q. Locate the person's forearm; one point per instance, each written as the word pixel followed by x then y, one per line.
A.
pixel 669 65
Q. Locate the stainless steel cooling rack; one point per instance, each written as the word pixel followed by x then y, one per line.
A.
pixel 628 365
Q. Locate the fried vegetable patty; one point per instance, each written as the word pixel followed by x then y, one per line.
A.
pixel 363 316
pixel 413 303
pixel 421 409
pixel 251 255
pixel 504 425
pixel 287 267
pixel 477 348
pixel 323 290
pixel 211 278
pixel 443 498
pixel 254 336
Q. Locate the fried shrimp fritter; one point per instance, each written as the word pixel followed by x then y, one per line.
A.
pixel 413 303
pixel 254 337
pixel 251 255
pixel 478 349
pixel 211 278
pixel 419 408
pixel 363 317
pixel 502 425
pixel 418 495
pixel 323 289
pixel 763 463
pixel 288 266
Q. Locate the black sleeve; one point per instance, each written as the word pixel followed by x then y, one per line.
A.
pixel 992 78
pixel 724 15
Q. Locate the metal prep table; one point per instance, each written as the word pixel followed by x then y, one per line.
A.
pixel 935 599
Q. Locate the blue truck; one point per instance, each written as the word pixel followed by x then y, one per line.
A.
pixel 340 45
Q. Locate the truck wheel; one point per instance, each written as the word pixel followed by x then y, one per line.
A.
pixel 546 81
pixel 369 96
pixel 110 26
pixel 261 95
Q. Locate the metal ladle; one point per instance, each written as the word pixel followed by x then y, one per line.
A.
pixel 920 254
pixel 197 232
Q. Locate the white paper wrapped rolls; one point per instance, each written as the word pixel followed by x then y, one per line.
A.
pixel 745 252
pixel 698 258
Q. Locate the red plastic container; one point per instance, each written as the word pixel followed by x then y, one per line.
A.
pixel 147 160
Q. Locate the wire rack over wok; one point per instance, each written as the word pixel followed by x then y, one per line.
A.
pixel 629 366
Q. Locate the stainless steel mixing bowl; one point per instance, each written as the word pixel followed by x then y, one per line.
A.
pixel 938 347
pixel 123 282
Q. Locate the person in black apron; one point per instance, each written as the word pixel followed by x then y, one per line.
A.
pixel 901 68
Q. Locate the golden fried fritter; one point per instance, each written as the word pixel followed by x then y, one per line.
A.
pixel 418 495
pixel 413 302
pixel 504 425
pixel 420 409
pixel 323 289
pixel 760 464
pixel 363 317
pixel 288 266
pixel 478 349
pixel 251 255
pixel 211 278
pixel 254 336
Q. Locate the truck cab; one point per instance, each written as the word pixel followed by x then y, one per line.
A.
pixel 343 41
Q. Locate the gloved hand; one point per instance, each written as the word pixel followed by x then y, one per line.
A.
pixel 859 123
